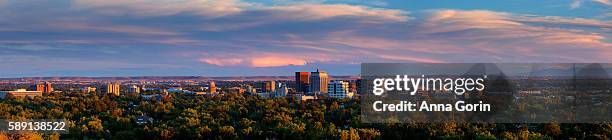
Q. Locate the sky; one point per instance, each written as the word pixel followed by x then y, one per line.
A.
pixel 277 37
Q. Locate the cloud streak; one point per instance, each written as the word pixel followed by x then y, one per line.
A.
pixel 235 35
pixel 321 11
pixel 578 3
pixel 210 8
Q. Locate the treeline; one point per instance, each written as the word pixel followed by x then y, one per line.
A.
pixel 234 116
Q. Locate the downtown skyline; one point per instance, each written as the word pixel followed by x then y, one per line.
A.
pixel 107 38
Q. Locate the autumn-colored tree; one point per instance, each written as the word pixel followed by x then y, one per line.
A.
pixel 552 129
pixel 30 136
pixel 227 131
pixel 242 116
pixel 4 136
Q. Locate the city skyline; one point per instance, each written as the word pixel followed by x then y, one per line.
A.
pixel 267 38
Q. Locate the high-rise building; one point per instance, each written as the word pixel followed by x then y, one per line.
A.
pixel 45 87
pixel 116 89
pixel 302 81
pixel 318 82
pixel 339 89
pixel 109 88
pixel 212 87
pixel 134 89
pixel 268 86
pixel 113 88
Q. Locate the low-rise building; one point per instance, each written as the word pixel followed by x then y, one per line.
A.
pixel 143 119
pixel 302 97
pixel 20 93
pixel 238 90
pixel 134 89
pixel 157 97
pixel 88 89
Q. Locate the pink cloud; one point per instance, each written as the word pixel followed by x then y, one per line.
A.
pixel 447 36
pixel 222 61
pixel 410 58
pixel 499 26
pixel 257 60
pixel 210 8
pixel 323 11
pixel 219 8
pixel 265 39
pixel 514 37
pixel 275 61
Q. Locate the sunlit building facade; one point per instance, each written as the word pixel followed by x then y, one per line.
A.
pixel 88 89
pixel 268 86
pixel 339 89
pixel 20 93
pixel 45 87
pixel 113 88
pixel 319 81
pixel 302 81
pixel 134 89
pixel 212 88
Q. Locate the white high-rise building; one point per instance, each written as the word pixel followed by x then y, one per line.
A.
pixel 339 89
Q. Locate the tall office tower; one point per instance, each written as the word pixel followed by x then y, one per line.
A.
pixel 268 86
pixel 318 82
pixel 211 87
pixel 113 88
pixel 134 89
pixel 302 81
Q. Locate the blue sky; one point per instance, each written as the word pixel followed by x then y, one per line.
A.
pixel 277 37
